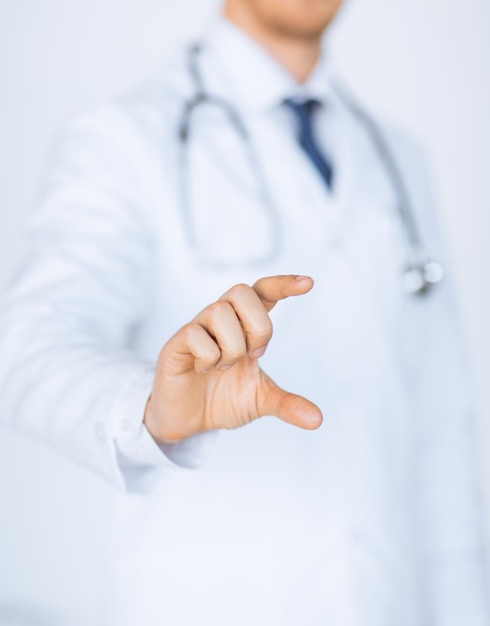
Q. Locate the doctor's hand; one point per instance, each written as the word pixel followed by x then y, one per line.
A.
pixel 208 374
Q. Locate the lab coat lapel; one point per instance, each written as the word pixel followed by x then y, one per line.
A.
pixel 230 219
pixel 296 184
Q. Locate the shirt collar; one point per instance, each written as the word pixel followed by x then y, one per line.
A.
pixel 257 81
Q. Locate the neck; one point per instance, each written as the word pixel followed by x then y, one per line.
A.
pixel 298 55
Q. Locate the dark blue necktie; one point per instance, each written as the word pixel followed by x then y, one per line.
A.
pixel 304 112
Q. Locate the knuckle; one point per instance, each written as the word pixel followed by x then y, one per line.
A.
pixel 240 290
pixel 219 308
pixel 191 330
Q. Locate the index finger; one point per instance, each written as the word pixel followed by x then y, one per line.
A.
pixel 274 288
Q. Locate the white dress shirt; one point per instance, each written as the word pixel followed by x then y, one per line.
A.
pixel 372 520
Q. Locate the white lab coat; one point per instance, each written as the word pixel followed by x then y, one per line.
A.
pixel 375 519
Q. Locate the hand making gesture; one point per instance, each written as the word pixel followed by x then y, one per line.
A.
pixel 208 373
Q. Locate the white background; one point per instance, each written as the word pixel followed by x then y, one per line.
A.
pixel 425 64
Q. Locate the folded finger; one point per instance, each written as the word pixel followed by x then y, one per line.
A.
pixel 191 347
pixel 221 322
pixel 253 316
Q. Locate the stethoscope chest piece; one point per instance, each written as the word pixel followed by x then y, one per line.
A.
pixel 419 279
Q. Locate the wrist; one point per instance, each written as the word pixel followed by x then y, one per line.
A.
pixel 163 429
pixel 151 422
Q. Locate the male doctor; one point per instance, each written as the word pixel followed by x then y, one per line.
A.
pixel 137 341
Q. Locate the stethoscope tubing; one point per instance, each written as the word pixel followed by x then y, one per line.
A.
pixel 421 274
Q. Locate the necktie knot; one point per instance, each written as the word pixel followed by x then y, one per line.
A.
pixel 303 108
pixel 304 113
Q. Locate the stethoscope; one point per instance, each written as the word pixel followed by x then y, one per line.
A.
pixel 422 272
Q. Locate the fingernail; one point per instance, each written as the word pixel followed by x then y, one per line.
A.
pixel 223 368
pixel 302 278
pixel 259 352
pixel 205 371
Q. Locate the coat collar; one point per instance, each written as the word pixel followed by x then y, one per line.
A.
pixel 258 82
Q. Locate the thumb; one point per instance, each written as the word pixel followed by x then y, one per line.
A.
pixel 288 407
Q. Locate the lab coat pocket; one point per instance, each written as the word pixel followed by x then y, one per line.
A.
pixel 230 220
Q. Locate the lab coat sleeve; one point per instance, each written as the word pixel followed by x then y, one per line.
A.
pixel 68 376
pixel 448 491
